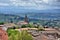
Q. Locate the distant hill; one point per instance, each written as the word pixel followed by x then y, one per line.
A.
pixel 12 17
pixel 9 17
pixel 32 16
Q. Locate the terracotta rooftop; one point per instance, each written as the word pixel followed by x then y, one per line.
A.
pixel 3 35
pixel 22 22
pixel 9 25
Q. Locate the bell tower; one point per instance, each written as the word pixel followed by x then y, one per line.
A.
pixel 26 19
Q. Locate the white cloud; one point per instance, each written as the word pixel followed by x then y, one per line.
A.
pixel 46 1
pixel 4 4
pixel 32 4
pixel 22 3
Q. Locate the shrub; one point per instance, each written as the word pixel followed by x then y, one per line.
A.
pixel 16 35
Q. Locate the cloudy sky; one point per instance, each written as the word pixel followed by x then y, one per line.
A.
pixel 18 5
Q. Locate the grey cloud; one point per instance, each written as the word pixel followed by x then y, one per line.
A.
pixel 25 0
pixel 36 4
pixel 5 1
pixel 58 0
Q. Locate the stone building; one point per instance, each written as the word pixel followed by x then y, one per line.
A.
pixel 25 22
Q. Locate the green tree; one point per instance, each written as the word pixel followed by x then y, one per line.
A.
pixel 23 26
pixel 16 35
pixel 40 28
pixel 1 23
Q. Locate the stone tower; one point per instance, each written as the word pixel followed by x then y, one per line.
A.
pixel 26 19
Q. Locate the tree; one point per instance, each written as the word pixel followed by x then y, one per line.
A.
pixel 1 23
pixel 41 28
pixel 23 26
pixel 16 35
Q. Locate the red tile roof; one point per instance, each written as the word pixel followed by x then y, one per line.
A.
pixel 3 35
